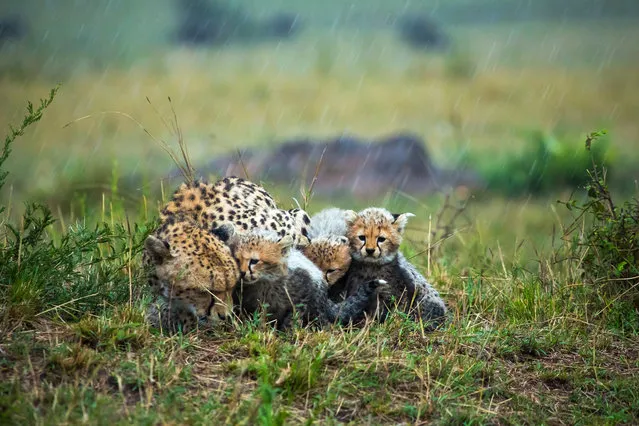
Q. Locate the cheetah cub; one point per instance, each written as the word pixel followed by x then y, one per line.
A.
pixel 329 249
pixel 328 222
pixel 331 254
pixel 275 274
pixel 374 236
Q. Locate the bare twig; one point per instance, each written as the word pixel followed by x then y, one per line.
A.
pixel 241 160
pixel 308 194
pixel 444 227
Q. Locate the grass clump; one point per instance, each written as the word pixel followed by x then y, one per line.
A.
pixel 79 273
pixel 83 269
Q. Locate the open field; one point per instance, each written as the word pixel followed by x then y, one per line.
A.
pixel 529 341
pixel 479 103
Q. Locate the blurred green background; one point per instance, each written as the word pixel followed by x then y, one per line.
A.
pixel 516 72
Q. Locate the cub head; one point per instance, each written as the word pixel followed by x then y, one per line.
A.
pixel 375 234
pixel 331 254
pixel 201 275
pixel 260 255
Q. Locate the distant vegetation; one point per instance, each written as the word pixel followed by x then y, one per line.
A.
pixel 547 164
pixel 492 11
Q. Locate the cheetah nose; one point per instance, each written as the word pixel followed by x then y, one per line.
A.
pixel 242 274
pixel 370 251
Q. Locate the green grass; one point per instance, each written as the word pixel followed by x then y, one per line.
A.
pixel 487 366
pixel 525 345
pixel 528 341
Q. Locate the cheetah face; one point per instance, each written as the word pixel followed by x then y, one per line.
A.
pixel 375 235
pixel 186 279
pixel 253 266
pixel 331 255
pixel 260 258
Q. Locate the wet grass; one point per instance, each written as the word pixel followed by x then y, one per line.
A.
pixel 526 344
pixel 471 373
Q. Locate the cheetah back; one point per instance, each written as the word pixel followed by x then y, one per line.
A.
pixel 242 203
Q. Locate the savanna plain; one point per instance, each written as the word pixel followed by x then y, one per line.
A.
pixel 543 298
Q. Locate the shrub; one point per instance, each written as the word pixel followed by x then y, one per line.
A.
pixel 605 233
pixel 84 270
pixel 547 165
pixel 31 117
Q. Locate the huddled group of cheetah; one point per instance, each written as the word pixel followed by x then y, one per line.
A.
pixel 226 248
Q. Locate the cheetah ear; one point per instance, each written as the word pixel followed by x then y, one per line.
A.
pixel 157 249
pixel 285 243
pixel 224 232
pixel 401 220
pixel 350 216
pixel 342 239
pixel 234 236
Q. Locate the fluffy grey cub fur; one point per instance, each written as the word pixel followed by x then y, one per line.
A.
pixel 280 278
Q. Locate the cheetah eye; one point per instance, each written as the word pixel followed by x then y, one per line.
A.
pixel 330 271
pixel 253 262
pixel 381 239
pixel 362 238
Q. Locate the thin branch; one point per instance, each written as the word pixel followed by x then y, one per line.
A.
pixel 308 194
pixel 241 160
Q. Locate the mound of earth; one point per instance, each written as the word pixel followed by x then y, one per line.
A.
pixel 349 165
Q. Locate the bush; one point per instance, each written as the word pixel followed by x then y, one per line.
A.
pixel 547 165
pixel 84 270
pixel 605 234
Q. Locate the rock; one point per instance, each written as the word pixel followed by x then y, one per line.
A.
pixel 422 32
pixel 350 165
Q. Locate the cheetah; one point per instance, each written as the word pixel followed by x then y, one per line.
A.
pixel 329 249
pixel 192 275
pixel 191 270
pixel 274 274
pixel 374 236
pixel 331 254
pixel 328 223
pixel 240 203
